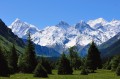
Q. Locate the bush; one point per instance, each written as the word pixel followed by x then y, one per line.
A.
pixel 64 67
pixel 84 72
pixel 40 71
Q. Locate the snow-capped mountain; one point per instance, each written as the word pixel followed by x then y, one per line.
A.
pixel 97 23
pixel 62 35
pixel 110 29
pixel 21 28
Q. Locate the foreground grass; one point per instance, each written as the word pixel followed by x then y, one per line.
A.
pixel 101 74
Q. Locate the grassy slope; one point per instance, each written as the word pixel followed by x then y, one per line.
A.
pixel 101 74
pixel 6 44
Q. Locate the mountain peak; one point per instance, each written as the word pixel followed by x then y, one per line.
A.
pixel 81 24
pixel 17 20
pixel 99 21
pixel 63 24
pixel 21 28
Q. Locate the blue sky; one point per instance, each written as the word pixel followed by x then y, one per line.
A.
pixel 49 12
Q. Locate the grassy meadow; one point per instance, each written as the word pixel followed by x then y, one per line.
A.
pixel 101 74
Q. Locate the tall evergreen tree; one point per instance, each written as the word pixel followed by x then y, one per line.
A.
pixel 21 63
pixel 13 60
pixel 93 58
pixel 115 62
pixel 40 71
pixel 74 58
pixel 64 66
pixel 4 70
pixel 28 60
pixel 45 63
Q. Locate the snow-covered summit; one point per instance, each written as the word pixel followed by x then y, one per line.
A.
pixel 97 22
pixel 63 24
pixel 21 28
pixel 82 25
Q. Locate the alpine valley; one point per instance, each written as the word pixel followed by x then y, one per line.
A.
pixel 56 39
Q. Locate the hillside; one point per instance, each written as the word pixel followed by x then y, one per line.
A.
pixel 7 38
pixel 111 47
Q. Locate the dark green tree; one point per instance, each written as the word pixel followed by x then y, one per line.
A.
pixel 64 66
pixel 84 71
pixel 118 70
pixel 20 63
pixel 45 63
pixel 115 62
pixel 93 58
pixel 40 71
pixel 4 70
pixel 74 58
pixel 76 62
pixel 72 51
pixel 13 60
pixel 107 65
pixel 28 60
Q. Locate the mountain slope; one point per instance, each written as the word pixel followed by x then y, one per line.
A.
pixel 7 38
pixel 110 41
pixel 111 47
pixel 21 28
pixel 62 35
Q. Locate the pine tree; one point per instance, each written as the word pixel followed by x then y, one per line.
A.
pixel 64 66
pixel 13 60
pixel 4 70
pixel 115 62
pixel 76 61
pixel 40 71
pixel 21 63
pixel 28 61
pixel 45 63
pixel 84 71
pixel 74 58
pixel 93 58
pixel 118 70
pixel 107 65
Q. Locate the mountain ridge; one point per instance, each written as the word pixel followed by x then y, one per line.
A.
pixel 62 35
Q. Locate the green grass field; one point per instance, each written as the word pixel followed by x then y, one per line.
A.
pixel 101 74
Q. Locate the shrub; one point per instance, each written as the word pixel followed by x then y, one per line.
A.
pixel 40 71
pixel 84 71
pixel 118 70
